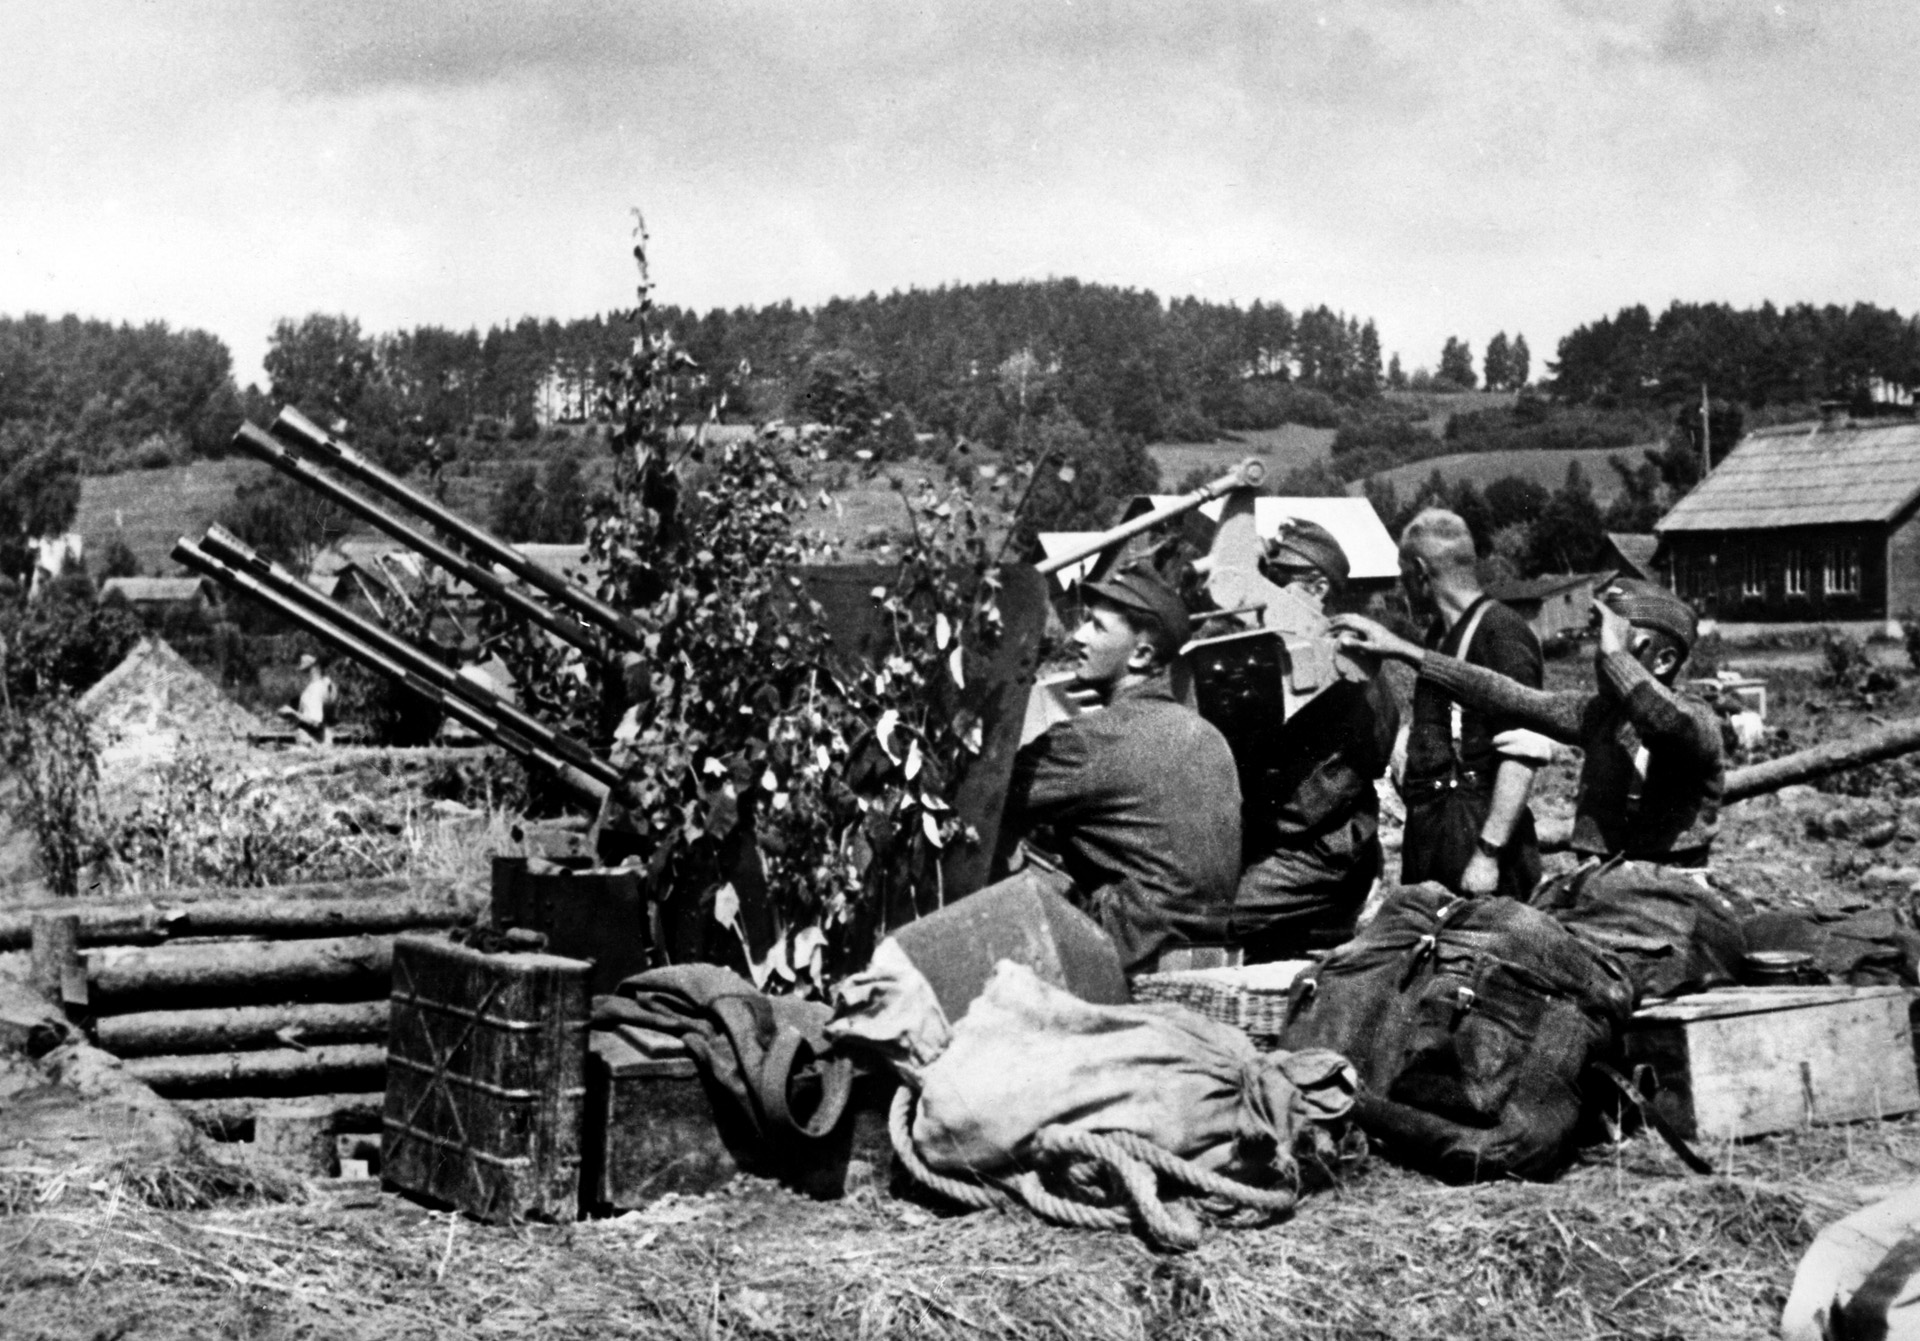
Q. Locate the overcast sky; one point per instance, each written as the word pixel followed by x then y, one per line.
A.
pixel 1446 168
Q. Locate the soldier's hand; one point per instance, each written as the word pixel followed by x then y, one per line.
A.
pixel 1357 633
pixel 1482 876
pixel 1616 634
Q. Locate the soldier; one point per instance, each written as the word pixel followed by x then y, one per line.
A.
pixel 1142 795
pixel 1468 825
pixel 1311 816
pixel 314 712
pixel 1655 765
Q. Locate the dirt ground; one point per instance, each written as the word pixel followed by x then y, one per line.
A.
pixel 1628 1244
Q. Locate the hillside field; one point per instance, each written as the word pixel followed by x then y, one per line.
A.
pixel 1282 449
pixel 1545 467
pixel 150 509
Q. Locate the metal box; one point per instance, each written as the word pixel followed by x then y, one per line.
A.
pixel 486 1079
pixel 597 915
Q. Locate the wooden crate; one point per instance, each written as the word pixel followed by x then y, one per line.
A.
pixel 486 1079
pixel 1750 1060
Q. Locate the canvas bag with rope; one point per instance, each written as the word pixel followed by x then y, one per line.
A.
pixel 1042 1097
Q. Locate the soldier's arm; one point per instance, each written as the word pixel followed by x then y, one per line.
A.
pixel 1658 713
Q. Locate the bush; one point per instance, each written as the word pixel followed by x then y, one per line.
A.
pixel 1376 442
pixel 50 753
pixel 1269 404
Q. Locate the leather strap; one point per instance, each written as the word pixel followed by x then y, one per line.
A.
pixel 1651 1116
pixel 773 1085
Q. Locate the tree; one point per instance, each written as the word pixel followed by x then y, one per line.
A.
pixel 515 515
pixel 119 560
pixel 1570 536
pixel 1364 380
pixel 1495 365
pixel 39 494
pixel 563 501
pixel 1519 363
pixel 323 367
pixel 284 520
pixel 1081 478
pixel 1456 363
pixel 1513 500
pixel 1396 378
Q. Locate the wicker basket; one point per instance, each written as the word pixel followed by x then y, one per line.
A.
pixel 1252 998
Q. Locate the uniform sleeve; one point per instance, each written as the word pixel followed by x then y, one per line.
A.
pixel 1049 778
pixel 1500 696
pixel 1658 713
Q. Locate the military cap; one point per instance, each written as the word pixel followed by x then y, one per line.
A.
pixel 1142 593
pixel 1648 605
pixel 1305 544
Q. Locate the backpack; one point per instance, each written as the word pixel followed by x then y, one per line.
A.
pixel 1472 1024
pixel 1674 931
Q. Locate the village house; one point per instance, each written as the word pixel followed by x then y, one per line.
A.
pixel 1556 607
pixel 156 599
pixel 1807 524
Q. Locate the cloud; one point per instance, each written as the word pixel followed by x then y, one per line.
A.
pixel 1449 168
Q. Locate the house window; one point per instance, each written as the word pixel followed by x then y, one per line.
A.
pixel 1843 571
pixel 1753 575
pixel 1798 570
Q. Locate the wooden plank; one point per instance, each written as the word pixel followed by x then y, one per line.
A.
pixel 1746 1074
pixel 1731 1001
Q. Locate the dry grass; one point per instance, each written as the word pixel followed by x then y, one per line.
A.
pixel 1627 1245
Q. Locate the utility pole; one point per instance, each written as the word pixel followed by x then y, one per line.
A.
pixel 1706 434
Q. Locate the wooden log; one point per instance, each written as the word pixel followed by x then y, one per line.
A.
pixel 1895 738
pixel 347 1066
pixel 156 917
pixel 56 956
pixel 231 1117
pixel 296 1136
pixel 149 1033
pixel 222 973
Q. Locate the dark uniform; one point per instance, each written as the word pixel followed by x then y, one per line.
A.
pixel 1312 820
pixel 1655 765
pixel 1144 804
pixel 1451 760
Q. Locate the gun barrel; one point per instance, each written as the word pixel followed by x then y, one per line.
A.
pixel 1246 475
pixel 486 724
pixel 310 437
pixel 229 549
pixel 478 575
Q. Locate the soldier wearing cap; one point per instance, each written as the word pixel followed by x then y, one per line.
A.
pixel 1655 766
pixel 1142 797
pixel 1311 817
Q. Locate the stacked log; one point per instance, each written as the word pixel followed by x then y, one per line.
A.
pixel 241 1002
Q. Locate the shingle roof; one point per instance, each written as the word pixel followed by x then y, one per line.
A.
pixel 1636 549
pixel 1806 475
pixel 1539 588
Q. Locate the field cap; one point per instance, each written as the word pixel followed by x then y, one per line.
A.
pixel 1141 592
pixel 1305 544
pixel 1648 605
pixel 308 661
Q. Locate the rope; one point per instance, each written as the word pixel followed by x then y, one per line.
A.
pixel 1090 1164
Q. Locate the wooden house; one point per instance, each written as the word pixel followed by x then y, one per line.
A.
pixel 1556 607
pixel 1811 523
pixel 158 598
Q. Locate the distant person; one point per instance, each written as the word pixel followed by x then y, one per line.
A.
pixel 314 712
pixel 1311 815
pixel 1468 826
pixel 1655 764
pixel 1141 797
